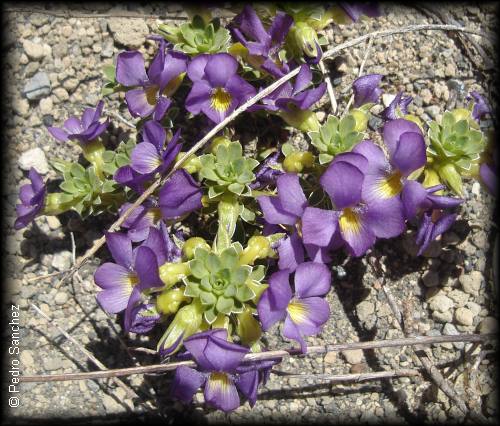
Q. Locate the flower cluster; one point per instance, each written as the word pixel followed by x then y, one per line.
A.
pixel 229 242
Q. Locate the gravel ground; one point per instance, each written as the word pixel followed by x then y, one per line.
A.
pixel 53 69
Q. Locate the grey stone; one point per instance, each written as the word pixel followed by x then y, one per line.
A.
pixel 450 330
pixel 37 86
pixel 34 157
pixel 51 363
pixel 107 49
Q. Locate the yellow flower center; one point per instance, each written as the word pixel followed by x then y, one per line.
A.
pixel 221 100
pixel 151 93
pixel 297 312
pixel 349 222
pixel 131 279
pixel 390 186
pixel 218 380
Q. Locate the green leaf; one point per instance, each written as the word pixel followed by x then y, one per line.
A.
pixel 325 158
pixel 224 305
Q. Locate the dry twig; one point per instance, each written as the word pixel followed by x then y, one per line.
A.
pixel 259 356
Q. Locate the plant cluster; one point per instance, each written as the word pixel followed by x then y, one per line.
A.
pixel 279 220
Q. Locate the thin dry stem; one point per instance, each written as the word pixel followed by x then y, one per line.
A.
pixel 259 356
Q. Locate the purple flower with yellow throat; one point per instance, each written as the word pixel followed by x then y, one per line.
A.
pixel 305 310
pixel 387 177
pixel 151 90
pixel 217 88
pixel 32 197
pixel 84 130
pixel 222 372
pixel 356 220
pixel 123 282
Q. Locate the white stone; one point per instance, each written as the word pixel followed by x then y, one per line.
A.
pixel 364 310
pixel 46 106
pixel 471 283
pixel 61 298
pixel 62 260
pixel 34 157
pixel 128 32
pixel 353 356
pixel 34 50
pixel 464 316
pixel 440 303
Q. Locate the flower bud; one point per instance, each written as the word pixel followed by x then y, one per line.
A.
pixel 54 205
pixel 172 273
pixel 92 151
pixel 168 301
pixel 297 161
pixel 361 118
pixel 248 327
pixel 191 164
pixel 257 248
pixel 449 174
pixel 304 120
pixel 219 140
pixel 304 38
pixel 192 244
pixel 186 322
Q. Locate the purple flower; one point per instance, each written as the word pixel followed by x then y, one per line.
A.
pixel 180 195
pixel 268 172
pixel 217 88
pixel 432 225
pixel 32 197
pixel 297 94
pixel 85 130
pixel 366 89
pixel 262 45
pixel 221 373
pixel 149 157
pixel 356 10
pixel 162 245
pixel 287 208
pixel 354 221
pixel 144 318
pixel 489 178
pixel 124 281
pixel 481 108
pixel 385 179
pixel 141 219
pixel 399 102
pixel 152 89
pixel 416 199
pixel 304 313
pixel 152 156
